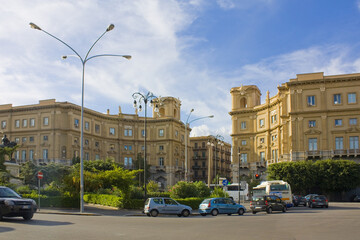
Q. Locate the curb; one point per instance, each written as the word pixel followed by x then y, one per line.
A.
pixel 68 213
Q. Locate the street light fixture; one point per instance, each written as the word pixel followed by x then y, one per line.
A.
pixel 187 123
pixel 214 141
pixel 138 98
pixel 83 61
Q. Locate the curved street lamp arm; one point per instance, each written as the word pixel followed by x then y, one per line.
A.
pixel 94 45
pixel 200 118
pixel 187 120
pixel 64 44
pixel 108 55
pixel 138 95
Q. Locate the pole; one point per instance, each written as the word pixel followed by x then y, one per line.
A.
pixel 82 142
pixel 187 123
pixel 239 180
pixel 186 151
pixel 209 167
pixel 39 191
pixel 145 103
pixel 215 165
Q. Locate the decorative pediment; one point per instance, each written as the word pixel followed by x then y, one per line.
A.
pixel 352 129
pixel 312 131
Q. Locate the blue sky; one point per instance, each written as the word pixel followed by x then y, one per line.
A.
pixel 194 50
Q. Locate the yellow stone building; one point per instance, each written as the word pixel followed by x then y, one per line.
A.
pixel 207 151
pixel 311 117
pixel 50 132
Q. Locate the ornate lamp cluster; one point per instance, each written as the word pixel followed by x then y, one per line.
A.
pixel 214 141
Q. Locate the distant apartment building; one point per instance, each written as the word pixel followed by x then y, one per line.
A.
pixel 209 158
pixel 311 117
pixel 50 132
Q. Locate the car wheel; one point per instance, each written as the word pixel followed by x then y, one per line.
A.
pixel 309 205
pixel 203 214
pixel 326 206
pixel 284 209
pixel 154 213
pixel 253 212
pixel 313 206
pixel 28 216
pixel 185 213
pixel 214 212
pixel 241 211
pixel 269 211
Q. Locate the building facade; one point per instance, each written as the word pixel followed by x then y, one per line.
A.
pixel 50 132
pixel 209 158
pixel 311 117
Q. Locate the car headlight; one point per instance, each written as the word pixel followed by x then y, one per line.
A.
pixel 9 203
pixel 33 202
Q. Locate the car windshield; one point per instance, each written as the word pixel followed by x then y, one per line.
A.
pixel 8 193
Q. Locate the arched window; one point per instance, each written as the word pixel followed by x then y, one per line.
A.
pixel 243 103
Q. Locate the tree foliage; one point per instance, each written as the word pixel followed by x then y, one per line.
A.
pixel 53 173
pixel 6 151
pixel 324 175
pixel 189 189
pixel 100 176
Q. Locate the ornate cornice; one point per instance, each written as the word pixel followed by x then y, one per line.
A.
pixel 324 80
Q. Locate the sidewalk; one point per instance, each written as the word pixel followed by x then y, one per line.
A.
pixel 92 210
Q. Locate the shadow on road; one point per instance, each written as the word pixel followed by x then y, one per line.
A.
pixel 35 222
pixel 6 229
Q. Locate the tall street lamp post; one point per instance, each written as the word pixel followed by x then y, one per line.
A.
pixel 83 61
pixel 187 124
pixel 138 98
pixel 214 141
pixel 239 176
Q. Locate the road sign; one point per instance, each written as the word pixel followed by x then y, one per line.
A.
pixel 40 175
pixel 225 182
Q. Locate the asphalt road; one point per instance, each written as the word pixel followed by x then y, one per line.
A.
pixel 339 221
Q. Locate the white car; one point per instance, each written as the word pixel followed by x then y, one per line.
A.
pixel 163 205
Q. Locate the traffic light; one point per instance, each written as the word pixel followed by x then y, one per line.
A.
pixel 257 176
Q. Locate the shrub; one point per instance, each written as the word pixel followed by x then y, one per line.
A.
pixel 183 190
pixel 158 194
pixel 203 190
pixel 55 201
pixel 23 189
pixel 219 192
pixel 152 186
pixel 136 193
pixel 134 204
pixel 104 199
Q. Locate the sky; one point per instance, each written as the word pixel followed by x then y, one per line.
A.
pixel 194 50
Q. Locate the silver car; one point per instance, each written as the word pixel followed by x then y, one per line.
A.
pixel 162 205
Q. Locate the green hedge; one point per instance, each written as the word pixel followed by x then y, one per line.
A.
pixel 158 194
pixel 192 202
pixel 104 199
pixel 55 201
